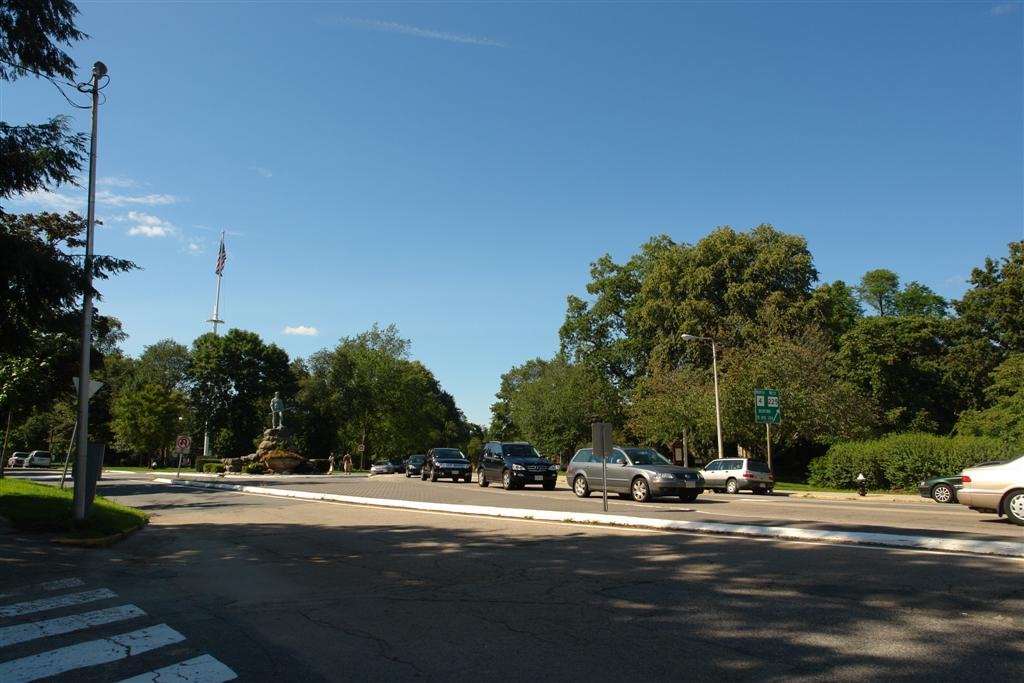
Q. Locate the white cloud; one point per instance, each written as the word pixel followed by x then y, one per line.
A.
pixel 405 29
pixel 302 331
pixel 1003 9
pixel 262 171
pixel 148 226
pixel 52 201
pixel 107 197
pixel 195 248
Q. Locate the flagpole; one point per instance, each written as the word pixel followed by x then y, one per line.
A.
pixel 221 258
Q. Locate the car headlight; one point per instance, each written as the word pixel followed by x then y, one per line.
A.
pixel 518 468
pixel 662 476
pixel 552 468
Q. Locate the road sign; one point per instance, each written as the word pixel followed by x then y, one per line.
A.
pixel 766 407
pixel 183 444
pixel 601 435
pixel 94 386
pixel 362 447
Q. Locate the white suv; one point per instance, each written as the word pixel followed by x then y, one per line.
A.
pixel 733 475
pixel 38 459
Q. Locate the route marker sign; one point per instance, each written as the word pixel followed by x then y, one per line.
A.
pixel 766 407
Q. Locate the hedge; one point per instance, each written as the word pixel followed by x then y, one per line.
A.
pixel 900 461
pixel 214 467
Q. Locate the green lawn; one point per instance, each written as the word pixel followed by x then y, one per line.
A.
pixel 37 507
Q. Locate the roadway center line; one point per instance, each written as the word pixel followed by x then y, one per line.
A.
pixel 21 633
pixel 90 653
pixel 44 604
pixel 206 669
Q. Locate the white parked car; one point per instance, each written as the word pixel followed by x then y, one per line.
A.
pixel 38 459
pixel 995 488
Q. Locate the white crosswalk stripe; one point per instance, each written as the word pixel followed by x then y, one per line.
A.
pixel 44 604
pixel 203 669
pixel 95 651
pixel 12 635
pixel 90 653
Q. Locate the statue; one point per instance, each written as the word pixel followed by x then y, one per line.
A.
pixel 276 411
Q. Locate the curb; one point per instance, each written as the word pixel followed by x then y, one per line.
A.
pixel 101 542
pixel 998 548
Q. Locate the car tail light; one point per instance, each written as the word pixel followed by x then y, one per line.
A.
pixel 966 479
pixel 748 475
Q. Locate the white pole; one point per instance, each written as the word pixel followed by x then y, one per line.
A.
pixel 216 321
pixel 718 408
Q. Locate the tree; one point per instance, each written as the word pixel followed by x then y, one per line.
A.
pixel 232 379
pixel 835 305
pixel 1004 418
pixel 164 364
pixel 146 420
pixel 878 289
pixel 993 309
pixel 918 299
pixel 31 35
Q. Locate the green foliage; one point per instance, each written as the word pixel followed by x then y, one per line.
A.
pixel 992 309
pixel 254 468
pixel 201 463
pixel 146 420
pixel 878 289
pixel 918 299
pixel 902 460
pixel 1004 418
pixel 214 468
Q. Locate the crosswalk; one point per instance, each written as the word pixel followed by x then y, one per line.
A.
pixel 66 613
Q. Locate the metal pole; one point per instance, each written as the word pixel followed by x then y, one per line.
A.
pixel 99 70
pixel 604 481
pixel 3 451
pixel 67 457
pixel 768 432
pixel 718 409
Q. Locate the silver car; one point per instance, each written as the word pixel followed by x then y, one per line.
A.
pixel 641 473
pixel 733 475
pixel 995 488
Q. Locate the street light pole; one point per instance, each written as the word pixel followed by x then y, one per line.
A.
pixel 714 367
pixel 80 502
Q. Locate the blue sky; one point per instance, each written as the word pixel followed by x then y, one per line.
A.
pixel 453 168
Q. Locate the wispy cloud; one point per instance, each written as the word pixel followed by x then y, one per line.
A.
pixel 113 181
pixel 419 32
pixel 147 225
pixel 107 197
pixel 51 201
pixel 195 248
pixel 1004 9
pixel 262 171
pixel 302 331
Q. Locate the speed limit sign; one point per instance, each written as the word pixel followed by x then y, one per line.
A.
pixel 183 444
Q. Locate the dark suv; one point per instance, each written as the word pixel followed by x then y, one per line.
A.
pixel 515 464
pixel 446 462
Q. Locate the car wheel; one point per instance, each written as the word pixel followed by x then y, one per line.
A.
pixel 731 486
pixel 506 480
pixel 943 493
pixel 549 486
pixel 580 486
pixel 469 477
pixel 640 490
pixel 423 475
pixel 481 478
pixel 455 479
pixel 689 496
pixel 1014 507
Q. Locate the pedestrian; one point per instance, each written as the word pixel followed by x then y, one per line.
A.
pixel 347 462
pixel 332 460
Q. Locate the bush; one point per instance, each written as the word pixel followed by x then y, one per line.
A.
pixel 214 467
pixel 319 465
pixel 902 460
pixel 254 468
pixel 201 463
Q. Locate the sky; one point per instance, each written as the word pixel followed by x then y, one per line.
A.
pixel 454 168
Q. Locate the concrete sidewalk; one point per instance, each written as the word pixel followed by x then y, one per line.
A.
pixel 956 545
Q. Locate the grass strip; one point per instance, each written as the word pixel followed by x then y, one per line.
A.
pixel 29 506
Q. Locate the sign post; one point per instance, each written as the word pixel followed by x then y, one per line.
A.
pixel 182 444
pixel 601 435
pixel 766 411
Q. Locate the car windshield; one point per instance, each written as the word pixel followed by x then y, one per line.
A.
pixel 758 466
pixel 519 450
pixel 417 459
pixel 449 453
pixel 646 456
pixel 382 463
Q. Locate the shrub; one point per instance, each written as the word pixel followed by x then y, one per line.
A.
pixel 902 460
pixel 214 467
pixel 201 463
pixel 254 468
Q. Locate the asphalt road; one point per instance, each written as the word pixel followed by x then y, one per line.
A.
pixel 875 514
pixel 294 590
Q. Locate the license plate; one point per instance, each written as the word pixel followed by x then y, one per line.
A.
pixel 538 477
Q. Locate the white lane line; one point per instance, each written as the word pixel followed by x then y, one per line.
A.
pixel 204 669
pixel 90 653
pixel 44 604
pixel 47 586
pixel 22 633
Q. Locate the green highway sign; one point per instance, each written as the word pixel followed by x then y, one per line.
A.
pixel 766 407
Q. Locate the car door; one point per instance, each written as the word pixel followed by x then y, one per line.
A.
pixel 713 475
pixel 490 459
pixel 618 472
pixel 590 465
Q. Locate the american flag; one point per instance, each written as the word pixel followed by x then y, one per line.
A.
pixel 222 256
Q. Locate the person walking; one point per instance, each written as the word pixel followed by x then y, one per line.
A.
pixel 333 461
pixel 346 460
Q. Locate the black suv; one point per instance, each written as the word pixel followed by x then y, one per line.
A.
pixel 446 462
pixel 515 464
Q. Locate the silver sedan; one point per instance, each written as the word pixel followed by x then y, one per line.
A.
pixel 641 473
